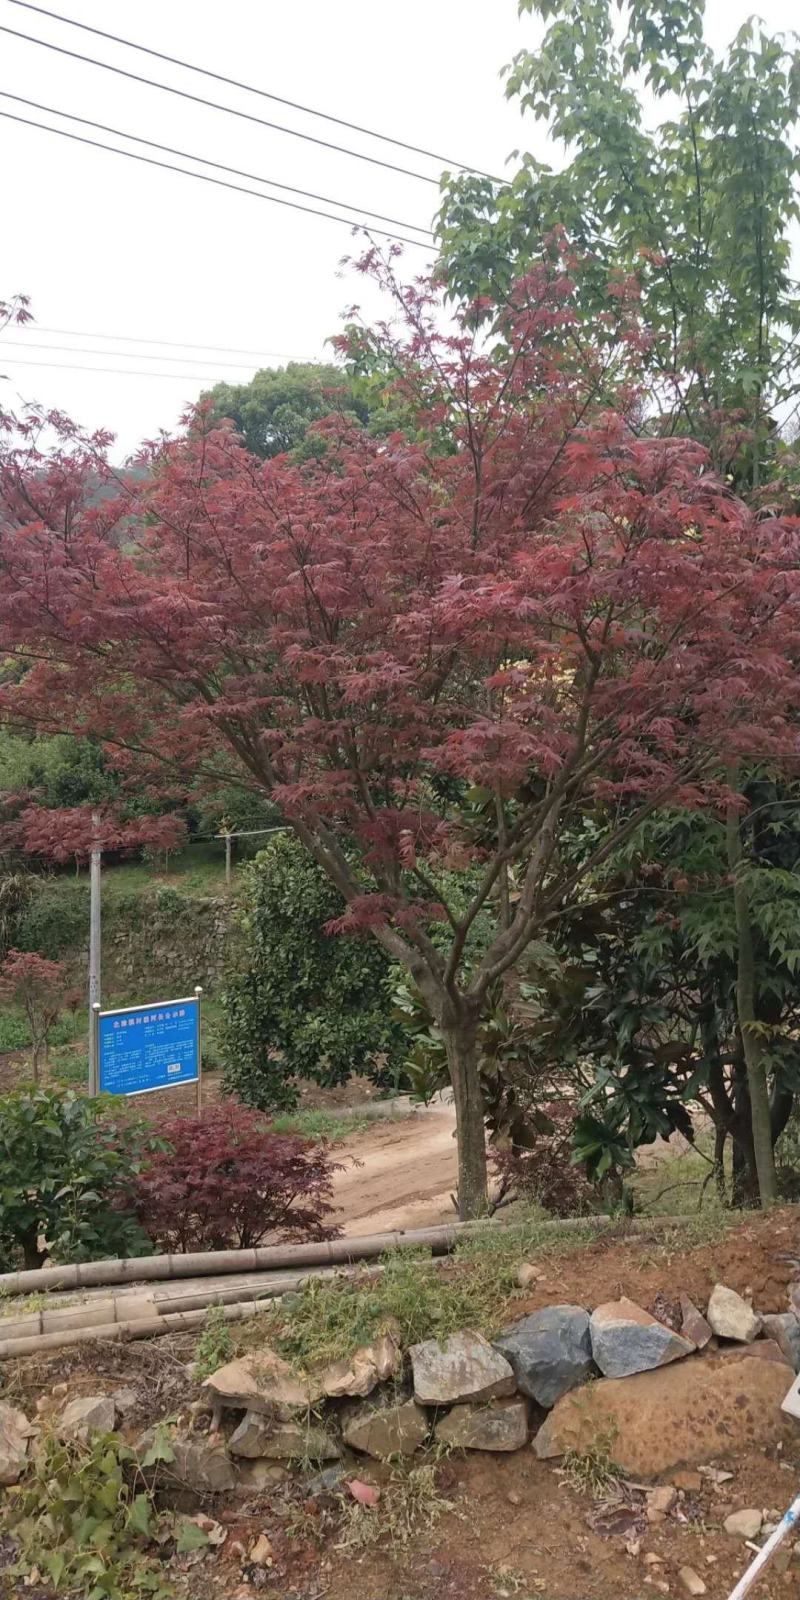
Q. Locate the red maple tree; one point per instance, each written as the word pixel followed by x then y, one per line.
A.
pixel 521 595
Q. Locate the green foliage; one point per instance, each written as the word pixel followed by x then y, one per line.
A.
pixel 65 1167
pixel 215 1345
pixel 307 1003
pixel 274 411
pixel 59 769
pixel 85 1519
pixel 55 918
pixel 700 206
pixel 417 1297
pixel 641 1013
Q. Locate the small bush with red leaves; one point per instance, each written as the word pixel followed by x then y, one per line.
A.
pixel 545 1175
pixel 227 1181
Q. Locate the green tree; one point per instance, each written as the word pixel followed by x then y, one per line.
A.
pixel 699 207
pixel 643 1011
pixel 274 411
pixel 302 1003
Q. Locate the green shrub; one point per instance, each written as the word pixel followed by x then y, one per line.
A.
pixel 66 1164
pixel 55 919
pixel 307 1004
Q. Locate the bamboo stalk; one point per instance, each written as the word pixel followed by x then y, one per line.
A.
pixel 141 1328
pixel 145 1316
pixel 269 1258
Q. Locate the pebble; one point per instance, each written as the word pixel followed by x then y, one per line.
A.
pixel 691 1580
pixel 261 1550
pixel 513 1498
pixel 660 1502
pixel 651 1559
pixel 743 1524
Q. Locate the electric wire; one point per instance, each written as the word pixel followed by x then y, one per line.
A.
pixel 174 344
pixel 205 161
pixel 123 372
pixel 204 177
pixel 250 88
pixel 84 350
pixel 216 105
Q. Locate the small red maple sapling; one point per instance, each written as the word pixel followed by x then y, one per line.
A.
pixel 37 986
pixel 520 593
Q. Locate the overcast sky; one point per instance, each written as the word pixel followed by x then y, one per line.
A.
pixel 108 247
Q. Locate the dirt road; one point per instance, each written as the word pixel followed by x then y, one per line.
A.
pixel 406 1175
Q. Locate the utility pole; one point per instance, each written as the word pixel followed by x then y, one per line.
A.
pixel 94 951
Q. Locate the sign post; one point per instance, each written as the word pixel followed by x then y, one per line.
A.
pixel 140 1049
pixel 94 950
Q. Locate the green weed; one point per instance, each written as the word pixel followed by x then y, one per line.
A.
pixel 410 1505
pixel 592 1471
pixel 320 1125
pixel 84 1520
pixel 215 1345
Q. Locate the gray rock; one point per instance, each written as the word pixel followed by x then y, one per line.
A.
pixel 92 1413
pixel 550 1352
pixel 784 1328
pixel 464 1367
pixel 363 1371
pixel 743 1524
pixel 258 1438
pixel 731 1317
pixel 325 1482
pixel 125 1400
pixel 693 1324
pixel 626 1339
pixel 261 1382
pixel 500 1425
pixel 197 1464
pixel 390 1429
pixel 15 1433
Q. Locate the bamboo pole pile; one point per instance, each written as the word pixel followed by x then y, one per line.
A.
pixel 256 1276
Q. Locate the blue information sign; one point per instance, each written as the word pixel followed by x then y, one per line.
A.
pixel 148 1047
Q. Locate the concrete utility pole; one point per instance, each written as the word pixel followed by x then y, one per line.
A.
pixel 94 951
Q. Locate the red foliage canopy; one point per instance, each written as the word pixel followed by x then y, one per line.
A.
pixel 523 593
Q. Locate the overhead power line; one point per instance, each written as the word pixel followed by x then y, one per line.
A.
pixel 219 166
pixel 125 372
pixel 204 177
pixel 84 350
pixel 216 105
pixel 250 88
pixel 175 344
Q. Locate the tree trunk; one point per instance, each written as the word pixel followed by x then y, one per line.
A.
pixel 460 1039
pixel 752 1043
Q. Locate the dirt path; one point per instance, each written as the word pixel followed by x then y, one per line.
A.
pixel 405 1175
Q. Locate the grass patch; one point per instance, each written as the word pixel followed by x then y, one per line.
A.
pixel 682 1185
pixel 410 1505
pixel 421 1299
pixel 215 1345
pixel 592 1471
pixel 329 1319
pixel 321 1125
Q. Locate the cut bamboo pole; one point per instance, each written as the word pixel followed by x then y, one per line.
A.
pixel 142 1328
pixel 269 1258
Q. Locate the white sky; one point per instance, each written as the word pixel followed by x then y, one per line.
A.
pixel 108 246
